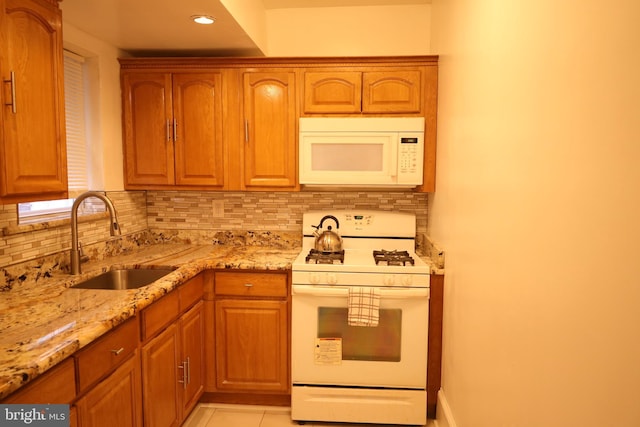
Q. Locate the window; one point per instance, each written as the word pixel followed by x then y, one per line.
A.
pixel 74 98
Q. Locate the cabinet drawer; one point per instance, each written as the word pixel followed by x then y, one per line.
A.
pixel 105 354
pixel 58 385
pixel 160 314
pixel 251 284
pixel 191 292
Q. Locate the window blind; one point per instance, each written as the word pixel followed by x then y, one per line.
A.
pixel 75 123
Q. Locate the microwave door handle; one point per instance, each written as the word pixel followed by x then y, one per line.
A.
pixel 394 155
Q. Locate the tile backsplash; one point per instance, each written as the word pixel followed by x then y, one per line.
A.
pixel 194 213
pixel 273 211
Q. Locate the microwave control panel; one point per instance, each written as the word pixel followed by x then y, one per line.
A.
pixel 410 159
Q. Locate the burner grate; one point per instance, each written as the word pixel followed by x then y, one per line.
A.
pixel 384 257
pixel 319 257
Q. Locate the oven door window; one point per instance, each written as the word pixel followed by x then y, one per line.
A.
pixel 380 343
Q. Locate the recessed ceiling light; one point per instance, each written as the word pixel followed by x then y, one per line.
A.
pixel 203 19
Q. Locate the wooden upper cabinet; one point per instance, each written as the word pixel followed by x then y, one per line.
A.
pixel 269 151
pixel 392 92
pixel 366 92
pixel 173 130
pixel 148 114
pixel 32 134
pixel 332 92
pixel 197 112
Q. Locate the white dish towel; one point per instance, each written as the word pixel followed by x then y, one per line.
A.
pixel 364 306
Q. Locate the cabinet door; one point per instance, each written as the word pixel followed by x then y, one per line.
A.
pixel 332 92
pixel 116 401
pixel 197 102
pixel 148 129
pixel 32 146
pixel 160 361
pixel 391 92
pixel 251 345
pixel 192 339
pixel 270 115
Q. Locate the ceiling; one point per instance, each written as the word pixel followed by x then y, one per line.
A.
pixel 163 27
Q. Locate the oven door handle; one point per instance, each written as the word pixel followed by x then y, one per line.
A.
pixel 338 291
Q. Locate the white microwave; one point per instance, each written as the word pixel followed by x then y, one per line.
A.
pixel 361 151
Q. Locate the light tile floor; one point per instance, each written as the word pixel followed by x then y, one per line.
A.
pixel 220 415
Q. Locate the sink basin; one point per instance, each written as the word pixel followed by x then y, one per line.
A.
pixel 123 279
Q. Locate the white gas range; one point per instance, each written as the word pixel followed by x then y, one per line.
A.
pixel 347 372
pixel 378 250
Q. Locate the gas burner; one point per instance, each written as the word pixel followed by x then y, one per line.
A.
pixel 384 257
pixel 319 257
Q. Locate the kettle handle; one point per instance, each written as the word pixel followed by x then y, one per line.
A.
pixel 329 217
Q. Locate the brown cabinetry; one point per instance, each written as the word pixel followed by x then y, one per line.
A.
pixel 116 401
pixel 269 152
pixel 100 358
pixel 173 361
pixel 262 100
pixel 251 332
pixel 395 91
pixel 173 130
pixel 109 379
pixel 32 130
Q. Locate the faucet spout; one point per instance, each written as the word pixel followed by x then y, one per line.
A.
pixel 114 227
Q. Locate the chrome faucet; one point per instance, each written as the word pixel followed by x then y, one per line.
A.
pixel 75 245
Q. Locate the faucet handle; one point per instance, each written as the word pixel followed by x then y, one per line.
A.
pixel 115 228
pixel 83 257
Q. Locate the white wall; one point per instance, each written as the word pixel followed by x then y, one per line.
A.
pixel 538 208
pixel 349 31
pixel 105 134
pixel 250 15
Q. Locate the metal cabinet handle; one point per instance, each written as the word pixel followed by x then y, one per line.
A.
pixel 175 130
pixel 248 285
pixel 186 372
pixel 12 82
pixel 118 351
pixel 168 130
pixel 183 381
pixel 188 362
pixel 246 131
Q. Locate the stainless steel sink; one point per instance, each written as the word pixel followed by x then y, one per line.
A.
pixel 132 278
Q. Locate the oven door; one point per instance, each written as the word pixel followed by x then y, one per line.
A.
pixel 327 351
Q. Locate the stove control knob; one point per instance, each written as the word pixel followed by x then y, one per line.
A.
pixel 314 278
pixel 389 280
pixel 332 278
pixel 407 280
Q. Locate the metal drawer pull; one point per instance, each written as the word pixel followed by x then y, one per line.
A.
pixel 248 285
pixel 118 351
pixel 12 81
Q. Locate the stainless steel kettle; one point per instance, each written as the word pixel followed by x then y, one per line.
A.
pixel 327 241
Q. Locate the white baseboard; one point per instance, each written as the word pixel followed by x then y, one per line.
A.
pixel 444 417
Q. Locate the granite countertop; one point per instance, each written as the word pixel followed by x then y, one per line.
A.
pixel 44 321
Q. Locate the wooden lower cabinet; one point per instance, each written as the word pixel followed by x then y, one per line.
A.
pixel 251 345
pixel 192 346
pixel 251 332
pixel 173 370
pixel 116 401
